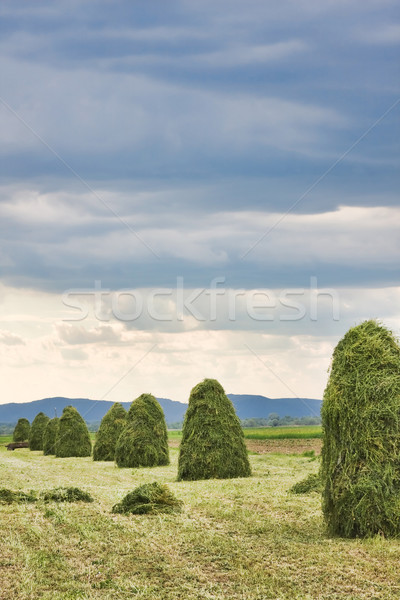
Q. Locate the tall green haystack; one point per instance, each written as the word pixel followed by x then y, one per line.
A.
pixel 109 431
pixel 73 437
pixel 21 431
pixel 144 439
pixel 50 435
pixel 361 446
pixel 37 431
pixel 212 439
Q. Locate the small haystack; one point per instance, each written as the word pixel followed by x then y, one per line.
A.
pixel 311 483
pixel 150 498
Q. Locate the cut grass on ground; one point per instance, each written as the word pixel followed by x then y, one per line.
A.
pixel 237 539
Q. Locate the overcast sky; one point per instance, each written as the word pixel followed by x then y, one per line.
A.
pixel 193 190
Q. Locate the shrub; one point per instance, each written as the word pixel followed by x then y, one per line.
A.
pixel 73 438
pixel 21 431
pixel 144 439
pixel 311 483
pixel 109 431
pixel 361 435
pixel 49 436
pixel 37 431
pixel 213 443
pixel 150 498
pixel 66 494
pixel 8 496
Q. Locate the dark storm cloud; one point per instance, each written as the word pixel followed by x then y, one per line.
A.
pixel 183 115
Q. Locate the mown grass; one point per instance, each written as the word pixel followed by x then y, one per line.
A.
pixel 239 539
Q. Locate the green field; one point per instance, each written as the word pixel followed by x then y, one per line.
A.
pixel 283 433
pixel 244 539
pixel 270 433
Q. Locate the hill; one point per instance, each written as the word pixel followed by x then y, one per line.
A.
pixel 251 406
pixel 247 407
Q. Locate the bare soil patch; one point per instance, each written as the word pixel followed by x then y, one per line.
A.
pixel 290 446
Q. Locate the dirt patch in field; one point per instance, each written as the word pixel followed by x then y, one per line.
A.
pixel 284 446
pixel 278 446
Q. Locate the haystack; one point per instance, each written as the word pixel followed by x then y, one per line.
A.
pixel 144 439
pixel 21 431
pixel 361 444
pixel 73 438
pixel 49 436
pixel 37 431
pixel 213 443
pixel 109 431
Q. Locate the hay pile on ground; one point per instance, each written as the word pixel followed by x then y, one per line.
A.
pixel 109 431
pixel 21 431
pixel 49 436
pixel 9 496
pixel 213 443
pixel 311 483
pixel 73 438
pixel 361 443
pixel 150 498
pixel 144 439
pixel 66 494
pixel 37 431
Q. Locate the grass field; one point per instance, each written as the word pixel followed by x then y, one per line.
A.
pixel 283 433
pixel 247 539
pixel 270 433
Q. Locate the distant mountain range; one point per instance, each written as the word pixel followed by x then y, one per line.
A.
pixel 246 406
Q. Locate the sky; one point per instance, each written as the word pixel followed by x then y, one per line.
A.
pixel 193 190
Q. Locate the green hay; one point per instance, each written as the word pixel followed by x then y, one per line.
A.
pixel 150 498
pixel 144 439
pixel 9 497
pixel 213 443
pixel 37 431
pixel 21 431
pixel 49 437
pixel 309 453
pixel 361 443
pixel 73 438
pixel 312 483
pixel 66 494
pixel 109 431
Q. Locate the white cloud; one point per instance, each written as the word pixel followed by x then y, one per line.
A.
pixel 104 334
pixel 85 359
pixel 10 339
